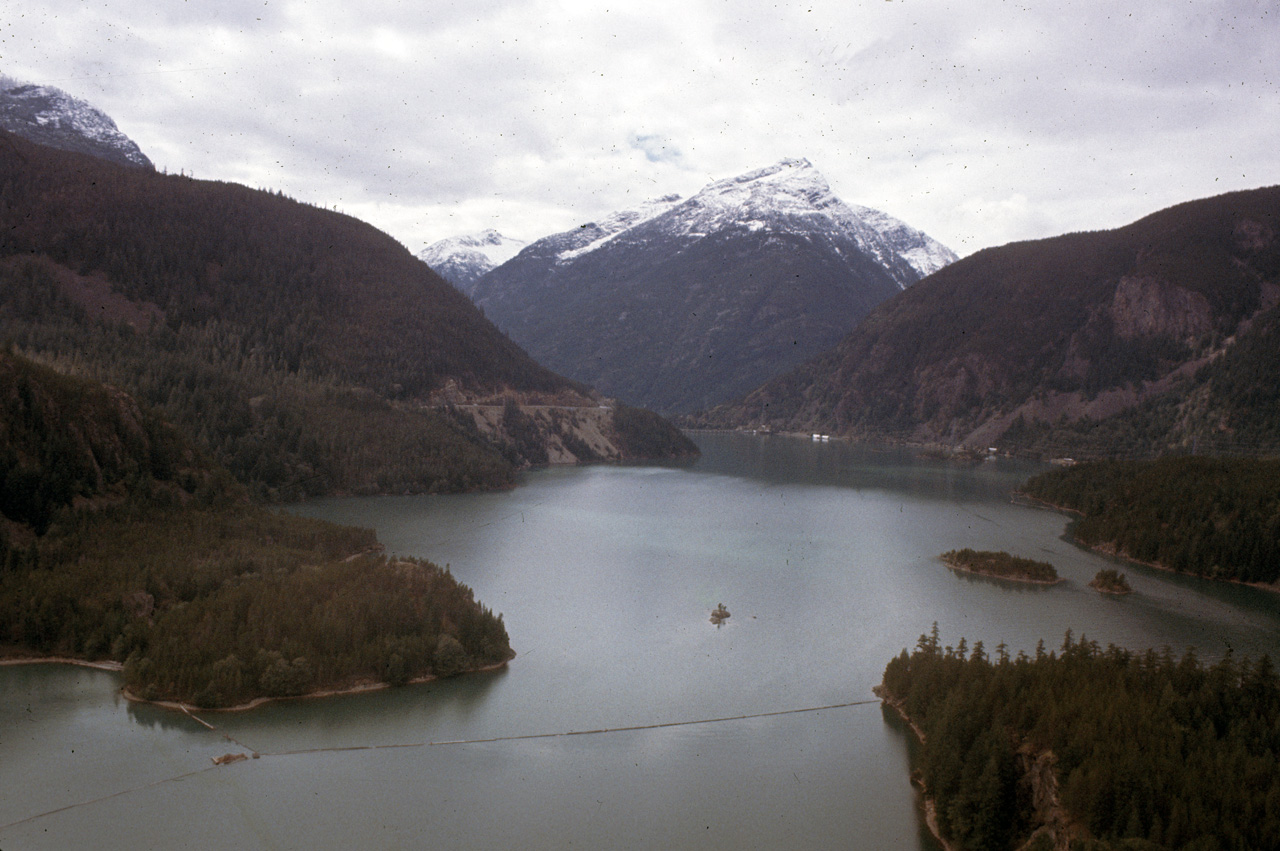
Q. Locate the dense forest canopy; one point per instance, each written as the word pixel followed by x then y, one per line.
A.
pixel 120 540
pixel 1001 564
pixel 1214 517
pixel 1107 748
pixel 307 288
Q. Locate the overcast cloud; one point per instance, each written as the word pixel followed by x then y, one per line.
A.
pixel 980 122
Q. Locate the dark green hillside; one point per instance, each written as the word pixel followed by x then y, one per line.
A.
pixel 1136 340
pixel 1093 749
pixel 1214 517
pixel 307 351
pixel 120 541
pixel 285 432
pixel 306 288
pixel 64 441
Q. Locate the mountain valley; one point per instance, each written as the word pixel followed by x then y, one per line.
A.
pixel 307 351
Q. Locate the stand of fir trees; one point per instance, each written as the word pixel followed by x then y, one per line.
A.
pixel 1091 747
pixel 1213 517
pixel 119 540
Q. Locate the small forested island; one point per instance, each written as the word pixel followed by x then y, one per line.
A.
pixel 121 542
pixel 1213 517
pixel 1092 748
pixel 1002 565
pixel 1110 581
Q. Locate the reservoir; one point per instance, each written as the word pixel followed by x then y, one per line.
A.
pixel 761 732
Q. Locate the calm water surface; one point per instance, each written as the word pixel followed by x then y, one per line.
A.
pixel 826 555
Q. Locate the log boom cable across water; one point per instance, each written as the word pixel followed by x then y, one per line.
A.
pixel 517 738
pixel 603 730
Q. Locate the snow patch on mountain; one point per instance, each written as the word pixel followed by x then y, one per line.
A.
pixel 490 244
pixel 790 196
pixel 50 116
pixel 460 260
pixel 606 229
pixel 922 252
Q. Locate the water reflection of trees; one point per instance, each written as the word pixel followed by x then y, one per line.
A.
pixel 1010 585
pixel 459 696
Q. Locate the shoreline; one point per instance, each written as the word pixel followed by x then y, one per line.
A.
pixel 1055 822
pixel 1110 550
pixel 107 665
pixel 930 806
pixel 1024 498
pixel 360 687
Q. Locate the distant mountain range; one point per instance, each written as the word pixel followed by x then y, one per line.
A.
pixel 682 303
pixel 50 116
pixel 1158 336
pixel 461 260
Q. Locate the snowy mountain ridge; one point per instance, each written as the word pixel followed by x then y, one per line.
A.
pixel 792 196
pixel 616 223
pixel 50 116
pixel 460 260
pixel 788 196
pixel 679 304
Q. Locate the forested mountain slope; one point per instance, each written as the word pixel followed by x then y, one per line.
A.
pixel 306 350
pixel 1160 334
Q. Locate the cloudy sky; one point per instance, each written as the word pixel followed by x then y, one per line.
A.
pixel 978 121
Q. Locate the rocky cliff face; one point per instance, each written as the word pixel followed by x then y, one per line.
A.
pixel 1146 307
pixel 1124 341
pixel 682 303
pixel 536 434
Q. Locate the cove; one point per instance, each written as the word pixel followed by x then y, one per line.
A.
pixel 825 553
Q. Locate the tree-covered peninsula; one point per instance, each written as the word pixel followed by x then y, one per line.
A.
pixel 1213 517
pixel 1092 748
pixel 120 541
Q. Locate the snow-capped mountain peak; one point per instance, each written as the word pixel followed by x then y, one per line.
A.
pixel 791 195
pixel 794 180
pixel 460 260
pixel 493 245
pixel 50 116
pixel 682 303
